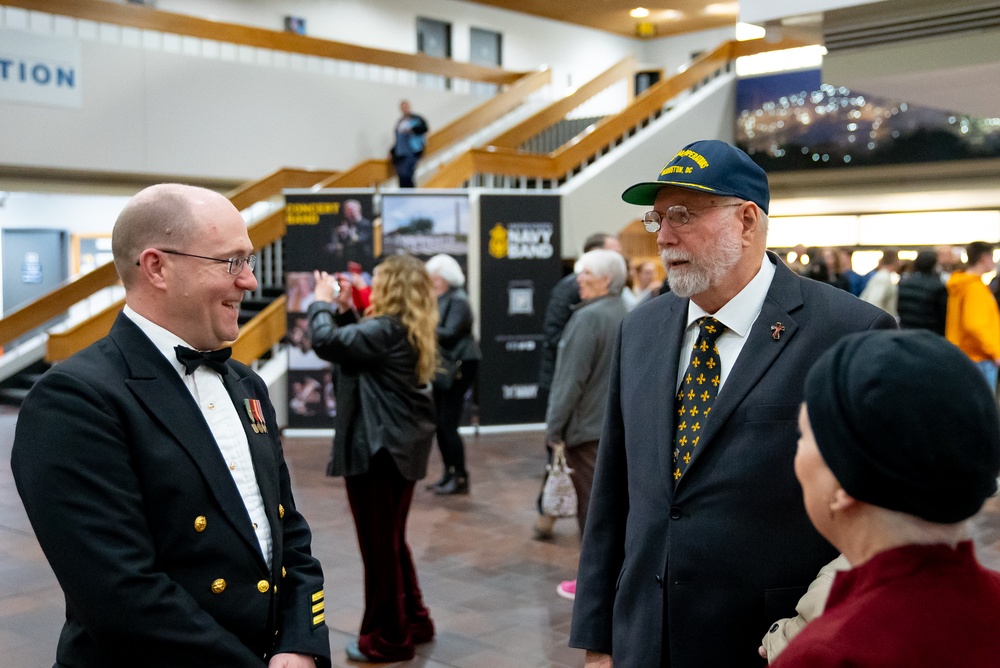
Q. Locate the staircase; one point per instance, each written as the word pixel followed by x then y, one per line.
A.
pixel 552 138
pixel 13 390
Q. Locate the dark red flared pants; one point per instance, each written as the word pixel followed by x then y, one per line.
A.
pixel 395 617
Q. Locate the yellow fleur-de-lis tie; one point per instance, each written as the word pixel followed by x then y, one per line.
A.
pixel 704 352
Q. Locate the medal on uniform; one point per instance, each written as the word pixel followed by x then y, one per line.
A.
pixel 256 416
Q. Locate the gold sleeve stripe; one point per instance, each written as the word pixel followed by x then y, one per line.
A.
pixel 319 619
pixel 317 596
pixel 318 607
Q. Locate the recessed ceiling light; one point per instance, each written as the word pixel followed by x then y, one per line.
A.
pixel 723 9
pixel 669 15
pixel 639 13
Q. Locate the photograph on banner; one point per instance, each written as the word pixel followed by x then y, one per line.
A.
pixel 311 403
pixel 426 225
pixel 330 230
pixel 300 352
pixel 336 232
pixel 520 261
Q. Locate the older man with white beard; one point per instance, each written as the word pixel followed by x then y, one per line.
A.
pixel 696 538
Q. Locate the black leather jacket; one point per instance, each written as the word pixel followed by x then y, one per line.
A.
pixel 380 404
pixel 454 330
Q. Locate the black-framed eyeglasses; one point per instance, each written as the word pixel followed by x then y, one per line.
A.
pixel 678 215
pixel 235 263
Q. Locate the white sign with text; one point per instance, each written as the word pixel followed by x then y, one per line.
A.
pixel 40 69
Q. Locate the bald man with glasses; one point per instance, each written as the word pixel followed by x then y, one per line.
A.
pixel 152 472
pixel 696 538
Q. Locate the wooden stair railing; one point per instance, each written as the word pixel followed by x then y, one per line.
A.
pixel 55 303
pixel 486 113
pixel 266 230
pixel 557 111
pixel 505 160
pixel 272 184
pixel 262 332
pixel 376 171
pixel 262 233
pixel 272 226
pixel 257 336
pixel 62 345
pixel 147 18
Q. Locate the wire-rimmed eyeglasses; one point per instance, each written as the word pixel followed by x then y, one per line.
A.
pixel 678 215
pixel 235 263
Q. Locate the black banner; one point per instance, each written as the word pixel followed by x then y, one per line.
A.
pixel 331 232
pixel 520 264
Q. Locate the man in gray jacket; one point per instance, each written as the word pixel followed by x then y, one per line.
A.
pixel 575 414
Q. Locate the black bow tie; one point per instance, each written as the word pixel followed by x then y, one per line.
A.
pixel 213 359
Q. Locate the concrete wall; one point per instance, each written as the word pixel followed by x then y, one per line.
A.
pixel 164 105
pixel 150 111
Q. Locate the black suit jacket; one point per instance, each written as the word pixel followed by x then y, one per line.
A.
pixel 565 294
pixel 139 516
pixel 692 577
pixel 454 330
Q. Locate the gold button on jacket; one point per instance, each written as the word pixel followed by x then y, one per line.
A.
pixel 281 511
pixel 200 523
pixel 263 586
pixel 218 586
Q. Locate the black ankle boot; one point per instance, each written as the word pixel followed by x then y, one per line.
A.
pixel 448 474
pixel 459 484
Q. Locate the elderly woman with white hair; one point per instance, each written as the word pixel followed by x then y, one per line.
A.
pixel 579 392
pixel 458 366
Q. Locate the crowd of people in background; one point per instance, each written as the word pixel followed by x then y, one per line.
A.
pixel 688 525
pixel 936 290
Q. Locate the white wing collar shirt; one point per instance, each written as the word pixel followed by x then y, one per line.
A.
pixel 738 315
pixel 209 392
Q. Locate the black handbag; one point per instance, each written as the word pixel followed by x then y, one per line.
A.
pixel 448 371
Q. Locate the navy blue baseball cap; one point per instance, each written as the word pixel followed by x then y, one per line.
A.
pixel 709 166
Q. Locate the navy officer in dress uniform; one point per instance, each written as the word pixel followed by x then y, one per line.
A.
pixel 151 469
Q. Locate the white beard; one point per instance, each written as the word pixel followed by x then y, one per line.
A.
pixel 700 273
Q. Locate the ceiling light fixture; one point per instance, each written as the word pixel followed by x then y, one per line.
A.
pixel 639 13
pixel 723 9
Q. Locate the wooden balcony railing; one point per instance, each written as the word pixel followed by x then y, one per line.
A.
pixel 508 161
pixel 147 18
pixel 376 171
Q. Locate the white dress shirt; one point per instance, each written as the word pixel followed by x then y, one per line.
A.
pixel 738 315
pixel 220 413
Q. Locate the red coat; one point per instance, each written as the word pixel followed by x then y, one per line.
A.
pixel 910 607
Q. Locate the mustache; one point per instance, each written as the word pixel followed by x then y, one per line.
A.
pixel 674 255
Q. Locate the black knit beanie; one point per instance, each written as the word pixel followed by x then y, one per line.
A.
pixel 907 422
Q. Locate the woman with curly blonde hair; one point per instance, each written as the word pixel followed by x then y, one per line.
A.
pixel 385 423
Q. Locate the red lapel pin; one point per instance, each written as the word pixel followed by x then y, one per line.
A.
pixel 776 330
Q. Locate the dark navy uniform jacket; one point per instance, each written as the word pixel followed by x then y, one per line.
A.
pixel 139 517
